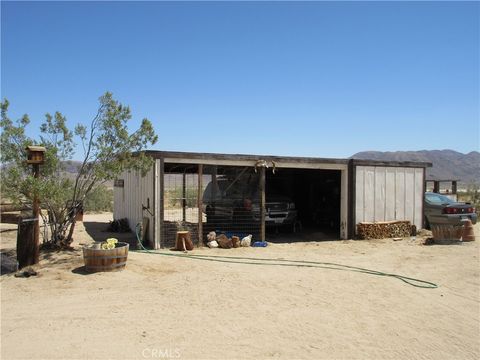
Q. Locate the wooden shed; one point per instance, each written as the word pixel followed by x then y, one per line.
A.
pixel 327 196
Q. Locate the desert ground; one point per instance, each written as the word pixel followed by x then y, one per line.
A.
pixel 164 307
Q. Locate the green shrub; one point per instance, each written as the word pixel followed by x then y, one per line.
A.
pixel 99 199
pixel 472 195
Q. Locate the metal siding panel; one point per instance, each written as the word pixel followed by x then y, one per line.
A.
pixel 116 202
pixel 369 194
pixel 359 182
pixel 400 194
pixel 409 194
pixel 390 194
pixel 418 198
pixel 148 199
pixel 157 204
pixel 379 193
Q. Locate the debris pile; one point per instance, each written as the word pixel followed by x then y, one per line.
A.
pixel 224 242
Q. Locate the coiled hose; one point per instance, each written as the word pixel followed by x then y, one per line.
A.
pixel 282 262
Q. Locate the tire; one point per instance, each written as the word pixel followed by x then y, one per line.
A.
pixel 427 223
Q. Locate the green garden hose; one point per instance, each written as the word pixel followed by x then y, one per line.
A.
pixel 287 263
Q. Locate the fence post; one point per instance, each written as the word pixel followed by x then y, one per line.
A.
pixel 27 249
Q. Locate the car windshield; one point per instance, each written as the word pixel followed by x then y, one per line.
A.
pixel 438 199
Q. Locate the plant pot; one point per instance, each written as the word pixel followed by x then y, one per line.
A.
pixel 97 259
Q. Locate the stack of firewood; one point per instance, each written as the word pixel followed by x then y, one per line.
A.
pixel 384 229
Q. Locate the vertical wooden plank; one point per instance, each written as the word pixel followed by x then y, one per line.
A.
pixel 424 171
pixel 409 194
pixel 418 198
pixel 390 194
pixel 156 207
pixel 379 198
pixel 399 193
pixel 369 194
pixel 262 204
pixel 184 197
pixel 351 203
pixel 344 204
pixel 359 192
pixel 200 205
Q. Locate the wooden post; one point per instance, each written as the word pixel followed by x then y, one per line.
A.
pixel 184 197
pixel 161 198
pixel 28 236
pixel 262 204
pixel 436 186
pixel 25 242
pixel 454 187
pixel 200 205
pixel 36 217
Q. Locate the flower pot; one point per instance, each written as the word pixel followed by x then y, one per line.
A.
pixel 105 260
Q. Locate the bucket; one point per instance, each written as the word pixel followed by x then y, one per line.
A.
pixel 446 234
pixel 105 260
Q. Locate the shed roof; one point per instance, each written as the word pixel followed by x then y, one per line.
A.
pixel 306 160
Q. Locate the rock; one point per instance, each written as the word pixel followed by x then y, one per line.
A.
pixel 246 241
pixel 224 242
pixel 211 236
pixel 236 241
pixel 212 244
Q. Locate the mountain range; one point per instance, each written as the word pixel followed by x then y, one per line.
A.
pixel 446 164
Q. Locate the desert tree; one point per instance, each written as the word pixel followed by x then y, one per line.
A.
pixel 107 146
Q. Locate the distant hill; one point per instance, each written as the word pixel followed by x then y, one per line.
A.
pixel 447 164
pixel 72 166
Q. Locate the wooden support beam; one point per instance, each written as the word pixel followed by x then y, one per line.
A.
pixel 262 204
pixel 200 205
pixel 161 197
pixel 454 187
pixel 36 223
pixel 184 197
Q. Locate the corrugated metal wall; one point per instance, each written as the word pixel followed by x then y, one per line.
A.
pixel 128 200
pixel 389 193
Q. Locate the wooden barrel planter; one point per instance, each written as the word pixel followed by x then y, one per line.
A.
pixel 97 259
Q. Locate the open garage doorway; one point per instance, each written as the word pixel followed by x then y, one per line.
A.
pixel 315 195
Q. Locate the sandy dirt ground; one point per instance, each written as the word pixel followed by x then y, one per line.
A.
pixel 163 307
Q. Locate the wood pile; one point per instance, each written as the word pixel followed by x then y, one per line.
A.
pixel 383 229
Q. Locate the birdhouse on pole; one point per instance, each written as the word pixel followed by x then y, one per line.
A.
pixel 35 154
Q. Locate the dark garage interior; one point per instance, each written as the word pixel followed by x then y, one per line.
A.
pixel 316 195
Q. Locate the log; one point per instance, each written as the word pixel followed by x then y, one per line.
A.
pixel 384 229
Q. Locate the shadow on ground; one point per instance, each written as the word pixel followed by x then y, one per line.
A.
pixel 284 236
pixel 99 232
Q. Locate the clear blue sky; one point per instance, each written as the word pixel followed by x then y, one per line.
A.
pixel 324 79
